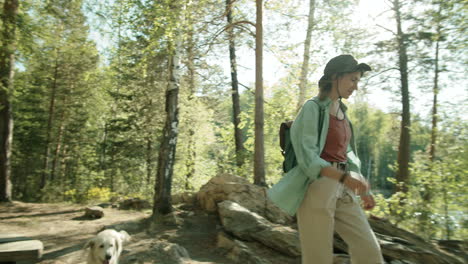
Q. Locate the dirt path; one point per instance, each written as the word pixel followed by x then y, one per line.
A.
pixel 63 231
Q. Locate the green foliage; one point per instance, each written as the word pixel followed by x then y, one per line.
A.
pixel 436 197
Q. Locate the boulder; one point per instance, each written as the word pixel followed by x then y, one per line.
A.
pixel 135 204
pixel 250 226
pixel 172 219
pixel 341 259
pixel 238 251
pixel 247 214
pixel 455 247
pixel 170 253
pixel 94 212
pixel 189 198
pixel 400 244
pixel 239 190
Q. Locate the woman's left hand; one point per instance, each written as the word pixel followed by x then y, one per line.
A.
pixel 368 201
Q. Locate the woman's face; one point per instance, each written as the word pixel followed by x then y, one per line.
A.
pixel 348 83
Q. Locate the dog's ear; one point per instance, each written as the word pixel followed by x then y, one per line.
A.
pixel 125 237
pixel 89 244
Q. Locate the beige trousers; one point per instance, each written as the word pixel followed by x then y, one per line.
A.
pixel 329 206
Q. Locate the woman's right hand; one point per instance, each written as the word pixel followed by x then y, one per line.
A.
pixel 356 183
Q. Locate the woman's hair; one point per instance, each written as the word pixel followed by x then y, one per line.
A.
pixel 325 84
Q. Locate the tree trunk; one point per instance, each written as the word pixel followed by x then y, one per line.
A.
pixel 149 160
pixel 7 64
pixel 167 149
pixel 259 159
pixel 45 167
pixel 427 193
pixel 58 145
pixel 305 62
pixel 191 148
pixel 190 162
pixel 435 92
pixel 404 147
pixel 240 150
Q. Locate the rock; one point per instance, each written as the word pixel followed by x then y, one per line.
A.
pixel 171 253
pixel 281 238
pixel 172 219
pixel 239 190
pixel 224 241
pixel 252 227
pixel 401 262
pixel 245 213
pixel 94 212
pixel 399 244
pixel 185 197
pixel 341 259
pixel 456 247
pixel 238 251
pixel 135 204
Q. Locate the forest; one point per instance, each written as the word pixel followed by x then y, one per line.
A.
pixel 140 98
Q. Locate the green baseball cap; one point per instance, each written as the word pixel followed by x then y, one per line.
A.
pixel 344 63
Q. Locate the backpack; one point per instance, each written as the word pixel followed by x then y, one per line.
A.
pixel 287 148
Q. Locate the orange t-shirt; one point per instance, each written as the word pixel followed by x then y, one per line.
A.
pixel 338 137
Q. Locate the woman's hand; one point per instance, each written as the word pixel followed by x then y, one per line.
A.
pixel 356 183
pixel 368 201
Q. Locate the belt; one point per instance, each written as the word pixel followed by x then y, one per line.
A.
pixel 343 166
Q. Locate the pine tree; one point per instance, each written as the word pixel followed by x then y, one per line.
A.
pixel 7 62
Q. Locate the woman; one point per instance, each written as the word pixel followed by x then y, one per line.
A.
pixel 322 188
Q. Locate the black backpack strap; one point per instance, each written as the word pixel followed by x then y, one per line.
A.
pixel 321 117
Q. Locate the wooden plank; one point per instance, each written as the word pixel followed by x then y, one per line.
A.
pixel 21 250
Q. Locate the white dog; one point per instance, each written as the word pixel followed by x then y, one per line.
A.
pixel 105 247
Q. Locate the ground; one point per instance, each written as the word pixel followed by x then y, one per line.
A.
pixel 63 230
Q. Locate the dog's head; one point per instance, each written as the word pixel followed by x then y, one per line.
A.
pixel 106 247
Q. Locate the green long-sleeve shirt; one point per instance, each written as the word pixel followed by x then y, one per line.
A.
pixel 288 193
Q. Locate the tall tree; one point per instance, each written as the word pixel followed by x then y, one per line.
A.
pixel 162 197
pixel 305 62
pixel 7 62
pixel 402 175
pixel 240 150
pixel 259 158
pixel 191 53
pixel 50 120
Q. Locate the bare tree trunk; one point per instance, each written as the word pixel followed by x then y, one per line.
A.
pixel 305 62
pixel 434 101
pixel 45 167
pixel 58 145
pixel 404 146
pixel 102 157
pixel 191 148
pixel 259 159
pixel 427 193
pixel 190 161
pixel 167 149
pixel 149 160
pixel 448 230
pixel 240 150
pixel 7 64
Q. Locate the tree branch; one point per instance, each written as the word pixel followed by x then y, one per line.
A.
pixel 389 30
